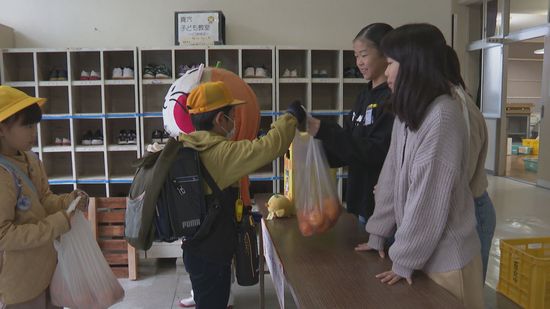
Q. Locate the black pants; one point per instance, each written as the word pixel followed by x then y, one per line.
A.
pixel 210 281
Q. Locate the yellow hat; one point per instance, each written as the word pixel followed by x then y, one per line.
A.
pixel 13 100
pixel 210 96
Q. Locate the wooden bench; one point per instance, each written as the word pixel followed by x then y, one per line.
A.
pixel 106 216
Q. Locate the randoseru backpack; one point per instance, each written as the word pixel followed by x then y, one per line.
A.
pixel 166 200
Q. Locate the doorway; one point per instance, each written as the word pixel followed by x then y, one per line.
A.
pixel 523 108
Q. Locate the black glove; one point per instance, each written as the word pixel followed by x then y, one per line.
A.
pixel 297 110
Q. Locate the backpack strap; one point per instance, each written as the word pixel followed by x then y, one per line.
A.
pixel 16 181
pixel 210 181
pixel 18 172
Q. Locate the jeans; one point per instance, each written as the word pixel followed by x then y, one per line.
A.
pixel 210 281
pixel 486 222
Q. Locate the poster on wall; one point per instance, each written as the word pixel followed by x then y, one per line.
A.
pixel 200 28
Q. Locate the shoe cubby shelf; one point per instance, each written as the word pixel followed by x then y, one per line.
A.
pixel 84 95
pixel 108 90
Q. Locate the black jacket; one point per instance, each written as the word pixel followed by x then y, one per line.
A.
pixel 361 145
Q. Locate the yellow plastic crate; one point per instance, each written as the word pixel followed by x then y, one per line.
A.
pixel 533 143
pixel 525 271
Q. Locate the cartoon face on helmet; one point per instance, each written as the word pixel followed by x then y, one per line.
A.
pixel 175 115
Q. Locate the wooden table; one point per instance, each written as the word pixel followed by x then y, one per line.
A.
pixel 324 271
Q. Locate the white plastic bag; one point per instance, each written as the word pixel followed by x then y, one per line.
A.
pixel 317 204
pixel 83 278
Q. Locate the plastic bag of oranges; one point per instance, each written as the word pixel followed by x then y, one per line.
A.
pixel 316 199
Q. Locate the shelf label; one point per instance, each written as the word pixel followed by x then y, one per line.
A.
pixel 195 28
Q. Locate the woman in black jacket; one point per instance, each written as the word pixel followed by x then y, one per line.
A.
pixel 363 142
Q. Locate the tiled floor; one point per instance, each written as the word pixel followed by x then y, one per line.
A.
pixel 522 211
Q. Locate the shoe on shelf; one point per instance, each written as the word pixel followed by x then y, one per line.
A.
pixel 286 73
pixel 156 137
pixel 58 141
pixel 123 137
pixel 315 73
pixel 149 72
pixel 94 75
pixel 127 73
pixel 54 75
pixel 87 138
pixel 61 75
pixel 162 72
pixel 182 69
pixel 132 137
pixel 65 141
pixel 294 73
pixel 249 72
pixel 165 137
pixel 84 75
pixel 262 72
pixel 97 138
pixel 117 73
pixel 323 73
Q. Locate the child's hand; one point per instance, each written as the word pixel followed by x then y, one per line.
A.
pixel 72 207
pixel 84 200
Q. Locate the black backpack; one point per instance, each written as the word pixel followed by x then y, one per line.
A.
pixel 166 200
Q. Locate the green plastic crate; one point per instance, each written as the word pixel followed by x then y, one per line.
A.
pixel 531 165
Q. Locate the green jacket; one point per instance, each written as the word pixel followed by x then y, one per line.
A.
pixel 228 161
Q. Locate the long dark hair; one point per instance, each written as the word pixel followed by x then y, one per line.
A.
pixel 453 68
pixel 421 52
pixel 373 34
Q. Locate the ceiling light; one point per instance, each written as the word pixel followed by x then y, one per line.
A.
pixel 539 51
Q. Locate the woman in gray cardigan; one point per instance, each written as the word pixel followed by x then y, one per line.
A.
pixel 422 195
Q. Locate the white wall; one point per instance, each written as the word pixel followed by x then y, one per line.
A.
pixel 118 23
pixel 7 38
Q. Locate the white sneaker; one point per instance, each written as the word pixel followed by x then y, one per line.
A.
pixel 323 73
pixel 66 142
pixel 128 73
pixel 84 75
pixel 261 72
pixel 249 72
pixel 58 141
pixel 315 73
pixel 117 73
pixel 94 75
pixel 294 73
pixel 286 73
pixel 188 302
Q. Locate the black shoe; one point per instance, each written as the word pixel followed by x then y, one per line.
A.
pixel 131 137
pixel 156 137
pixel 98 138
pixel 123 137
pixel 87 138
pixel 165 137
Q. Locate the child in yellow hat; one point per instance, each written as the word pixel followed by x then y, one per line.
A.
pixel 31 216
pixel 212 109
